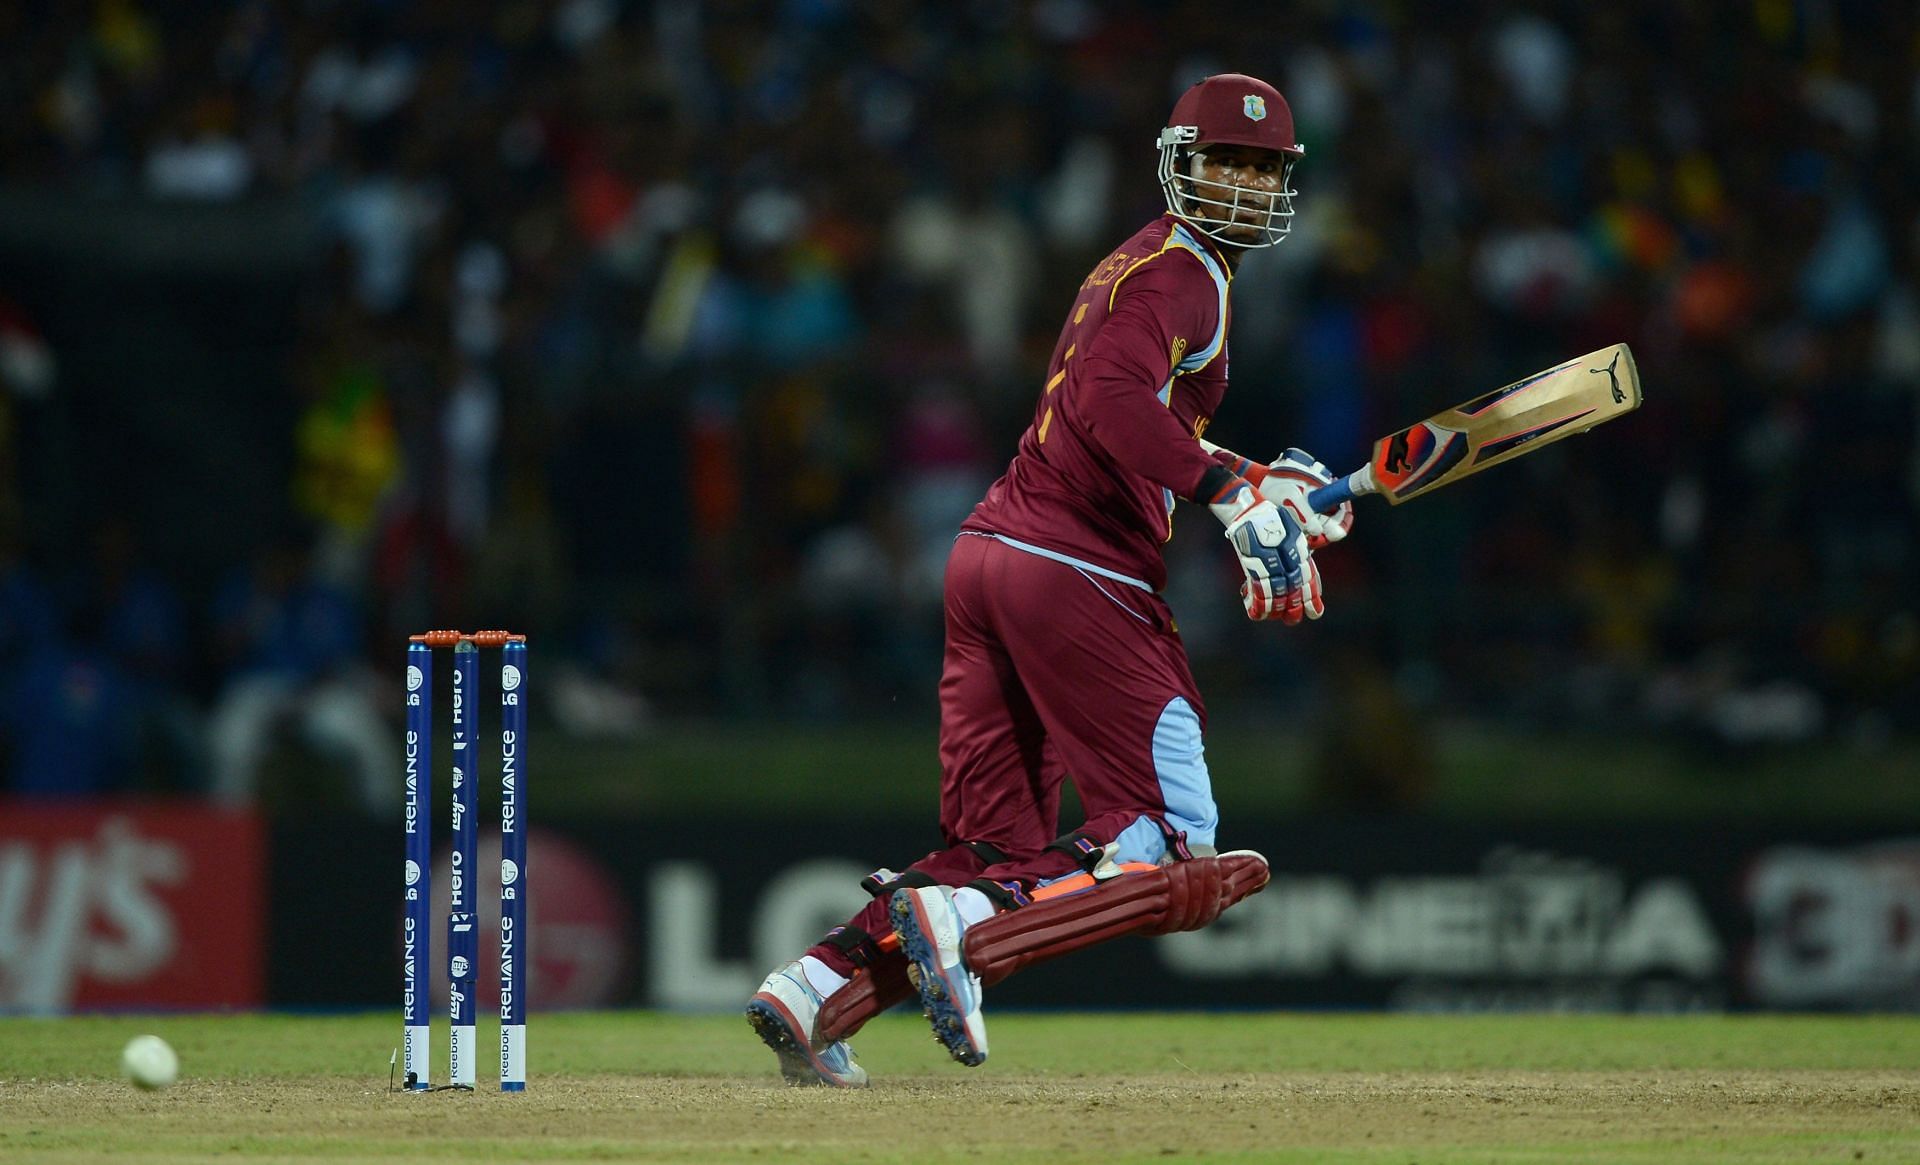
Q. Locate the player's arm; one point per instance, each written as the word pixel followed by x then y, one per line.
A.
pixel 1126 365
pixel 1128 361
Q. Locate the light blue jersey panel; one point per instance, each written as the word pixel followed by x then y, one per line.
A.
pixel 1200 357
pixel 1180 760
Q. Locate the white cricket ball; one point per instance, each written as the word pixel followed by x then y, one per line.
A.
pixel 149 1062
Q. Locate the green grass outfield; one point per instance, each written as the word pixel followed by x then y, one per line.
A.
pixel 1240 1087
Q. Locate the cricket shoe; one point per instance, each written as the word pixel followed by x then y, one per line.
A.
pixel 930 930
pixel 782 1013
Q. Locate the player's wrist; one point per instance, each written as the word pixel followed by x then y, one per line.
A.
pixel 1246 467
pixel 1235 502
pixel 1215 484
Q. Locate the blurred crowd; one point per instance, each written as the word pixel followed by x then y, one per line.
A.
pixel 683 333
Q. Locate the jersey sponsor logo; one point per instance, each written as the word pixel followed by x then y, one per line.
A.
pixel 1108 270
pixel 1254 106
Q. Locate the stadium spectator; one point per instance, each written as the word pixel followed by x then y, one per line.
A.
pixel 696 263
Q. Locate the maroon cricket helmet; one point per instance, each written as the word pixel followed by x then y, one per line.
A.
pixel 1235 109
pixel 1229 109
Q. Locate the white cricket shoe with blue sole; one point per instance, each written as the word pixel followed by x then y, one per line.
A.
pixel 930 931
pixel 782 1013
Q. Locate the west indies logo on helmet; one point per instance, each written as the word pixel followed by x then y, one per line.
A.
pixel 1230 109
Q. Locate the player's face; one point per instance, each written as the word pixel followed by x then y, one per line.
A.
pixel 1244 177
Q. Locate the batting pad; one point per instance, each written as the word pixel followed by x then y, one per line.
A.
pixel 1182 896
pixel 873 989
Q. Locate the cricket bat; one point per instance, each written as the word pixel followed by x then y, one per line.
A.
pixel 1498 426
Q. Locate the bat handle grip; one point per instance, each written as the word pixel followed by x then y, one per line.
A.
pixel 1333 495
pixel 1339 491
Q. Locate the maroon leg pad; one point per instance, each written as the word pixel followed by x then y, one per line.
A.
pixel 1183 896
pixel 873 990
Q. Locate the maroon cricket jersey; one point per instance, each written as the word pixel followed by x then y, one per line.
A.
pixel 1135 378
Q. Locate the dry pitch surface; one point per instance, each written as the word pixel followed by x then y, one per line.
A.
pixel 639 1087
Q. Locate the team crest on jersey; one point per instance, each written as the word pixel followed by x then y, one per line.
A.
pixel 1254 106
pixel 1178 350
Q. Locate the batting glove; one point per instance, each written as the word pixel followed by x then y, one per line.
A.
pixel 1282 582
pixel 1290 479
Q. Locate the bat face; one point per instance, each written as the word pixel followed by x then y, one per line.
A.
pixel 1525 415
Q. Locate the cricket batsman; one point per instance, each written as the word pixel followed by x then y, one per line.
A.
pixel 1061 656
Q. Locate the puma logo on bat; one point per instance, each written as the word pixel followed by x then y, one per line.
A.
pixel 1613 377
pixel 1397 453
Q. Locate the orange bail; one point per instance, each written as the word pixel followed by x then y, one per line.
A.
pixel 477 638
